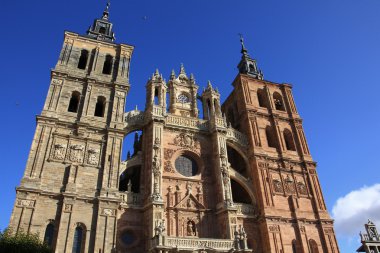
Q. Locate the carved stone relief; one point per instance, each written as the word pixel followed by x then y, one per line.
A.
pixel 59 151
pixel 301 188
pixel 289 185
pixel 186 140
pixel 68 208
pixel 93 156
pixel 277 186
pixel 76 153
pixel 109 212
pixel 168 167
pixel 274 228
pixel 25 202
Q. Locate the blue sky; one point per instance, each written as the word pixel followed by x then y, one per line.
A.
pixel 328 49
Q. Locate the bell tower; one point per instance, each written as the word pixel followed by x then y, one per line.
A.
pixel 69 191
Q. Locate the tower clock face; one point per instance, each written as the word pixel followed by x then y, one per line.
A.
pixel 182 98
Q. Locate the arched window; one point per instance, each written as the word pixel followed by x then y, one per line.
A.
pixel 102 30
pixel 262 98
pixel 100 106
pixel 49 233
pixel 107 67
pixel 278 102
pixel 313 246
pixel 270 137
pixel 83 59
pixel 237 161
pixel 74 102
pixel 156 98
pixel 289 141
pixel 239 194
pixel 78 241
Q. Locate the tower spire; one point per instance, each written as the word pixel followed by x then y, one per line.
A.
pixel 102 28
pixel 247 65
pixel 106 11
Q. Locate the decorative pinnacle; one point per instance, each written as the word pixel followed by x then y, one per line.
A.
pixel 182 70
pixel 172 75
pixel 209 85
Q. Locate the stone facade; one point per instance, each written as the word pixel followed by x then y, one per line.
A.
pixel 239 180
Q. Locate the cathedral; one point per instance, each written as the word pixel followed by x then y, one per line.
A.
pixel 204 176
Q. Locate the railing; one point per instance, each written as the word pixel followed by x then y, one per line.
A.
pixel 237 136
pixel 245 209
pixel 195 243
pixel 131 198
pixel 158 111
pixel 187 122
pixel 220 122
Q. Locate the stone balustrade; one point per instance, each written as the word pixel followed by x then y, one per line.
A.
pixel 237 136
pixel 130 198
pixel 195 243
pixel 187 122
pixel 244 209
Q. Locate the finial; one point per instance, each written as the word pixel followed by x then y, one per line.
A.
pixel 136 108
pixel 172 75
pixel 157 72
pixel 182 70
pixel 243 49
pixel 106 10
pixel 209 85
pixel 192 77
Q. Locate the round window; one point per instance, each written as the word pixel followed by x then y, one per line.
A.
pixel 186 166
pixel 127 238
pixel 182 98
